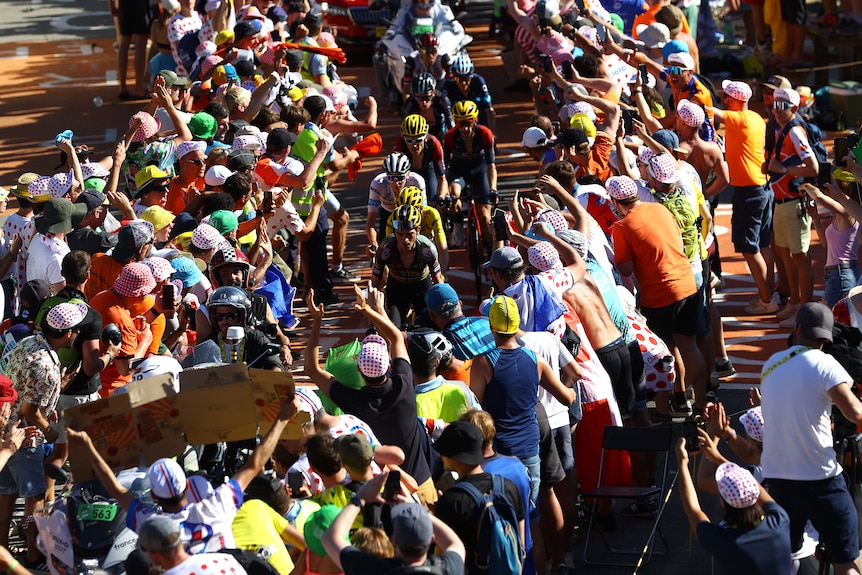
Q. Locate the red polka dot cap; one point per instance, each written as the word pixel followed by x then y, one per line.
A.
pixel 752 420
pixel 664 169
pixel 160 268
pixel 737 486
pixel 59 185
pixel 544 257
pixel 187 148
pixel 621 188
pixel 94 170
pixel 644 154
pixel 148 128
pixel 135 280
pixel 206 237
pixel 692 115
pixel 373 357
pixel 737 90
pixel 65 316
pixel 554 219
pixel 38 189
pixel 248 142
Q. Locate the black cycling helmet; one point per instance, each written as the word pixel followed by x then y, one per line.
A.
pixel 406 218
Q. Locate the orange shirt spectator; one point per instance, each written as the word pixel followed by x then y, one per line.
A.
pixel 745 132
pixel 648 18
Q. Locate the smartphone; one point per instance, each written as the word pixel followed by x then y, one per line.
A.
pixel 580 5
pixel 556 125
pixel 268 206
pixel 294 482
pixel 168 294
pixel 546 63
pixel 602 33
pixel 568 70
pixel 840 151
pixel 644 74
pixel 392 486
pixel 689 432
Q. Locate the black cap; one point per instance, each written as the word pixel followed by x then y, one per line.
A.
pixel 279 139
pixel 293 60
pixel 573 137
pixel 184 222
pixel 313 17
pixel 244 68
pixel 461 441
pixel 239 159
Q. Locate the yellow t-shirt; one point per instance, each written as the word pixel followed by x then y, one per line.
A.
pixel 256 527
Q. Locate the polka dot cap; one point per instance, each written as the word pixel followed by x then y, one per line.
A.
pixel 249 142
pixel 584 108
pixel 206 237
pixel 621 187
pixel 737 90
pixel 135 280
pixel 554 219
pixel 373 359
pixel 205 49
pixel 692 115
pixel 737 486
pixel 664 169
pixel 160 268
pixel 249 85
pixel 66 315
pixel 59 185
pixel 592 35
pixel 38 188
pixel 268 54
pixel 209 63
pixel 752 420
pixel 374 338
pixel 149 127
pixel 94 170
pixel 187 148
pixel 544 257
pixel 645 154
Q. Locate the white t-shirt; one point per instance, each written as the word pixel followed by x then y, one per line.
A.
pixel 45 258
pixel 204 526
pixel 797 433
pixel 551 349
pixel 219 563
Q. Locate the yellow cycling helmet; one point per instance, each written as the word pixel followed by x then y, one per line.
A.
pixel 414 126
pixel 406 218
pixel 410 196
pixel 465 110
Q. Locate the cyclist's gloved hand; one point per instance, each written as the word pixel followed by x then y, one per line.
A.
pixel 494 196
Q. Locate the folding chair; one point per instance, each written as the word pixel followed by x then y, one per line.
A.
pixel 655 439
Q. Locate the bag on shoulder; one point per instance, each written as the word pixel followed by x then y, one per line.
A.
pixel 251 562
pixel 433 566
pixel 814 136
pixel 498 544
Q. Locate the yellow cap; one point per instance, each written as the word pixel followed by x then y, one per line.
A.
pixel 224 36
pixel 583 122
pixel 504 316
pixel 843 176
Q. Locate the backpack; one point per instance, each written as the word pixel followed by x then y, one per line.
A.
pixel 814 135
pixel 433 566
pixel 186 48
pixel 689 223
pixel 251 562
pixel 498 544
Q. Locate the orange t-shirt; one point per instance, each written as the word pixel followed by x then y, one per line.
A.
pixel 462 374
pixel 115 309
pixel 648 18
pixel 700 95
pixel 178 195
pixel 599 159
pixel 745 133
pixel 649 237
pixel 103 271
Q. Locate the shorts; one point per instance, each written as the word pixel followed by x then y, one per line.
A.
pixel 638 374
pixel 134 17
pixel 679 317
pixel 793 11
pixel 791 231
pixel 751 222
pixel 24 473
pixel 331 203
pixel 829 507
pixel 703 323
pixel 838 281
pixel 616 360
pixel 550 464
pixel 65 402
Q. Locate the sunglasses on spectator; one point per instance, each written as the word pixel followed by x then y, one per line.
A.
pixel 781 105
pixel 231 316
pixel 418 140
pixel 162 189
pixel 425 98
pixel 197 162
pixel 396 177
pixel 675 70
pixel 82 149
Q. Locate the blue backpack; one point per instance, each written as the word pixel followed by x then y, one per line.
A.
pixel 498 545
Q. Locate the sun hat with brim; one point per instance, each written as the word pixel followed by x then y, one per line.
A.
pixel 20 189
pixel 148 128
pixel 147 178
pixel 67 315
pixel 654 35
pixel 57 216
pixel 158 216
pixel 4 194
pixel 95 184
pixel 135 280
pixel 186 271
pixel 315 527
pixel 737 486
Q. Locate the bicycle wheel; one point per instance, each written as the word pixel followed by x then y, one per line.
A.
pixel 474 247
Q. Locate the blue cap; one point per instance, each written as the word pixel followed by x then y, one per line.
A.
pixel 186 271
pixel 673 47
pixel 230 73
pixel 667 138
pixel 441 298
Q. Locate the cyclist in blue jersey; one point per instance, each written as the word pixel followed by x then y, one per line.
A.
pixel 466 84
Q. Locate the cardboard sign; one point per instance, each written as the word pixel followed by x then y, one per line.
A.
pixel 158 420
pixel 110 424
pixel 270 389
pixel 210 377
pixel 224 413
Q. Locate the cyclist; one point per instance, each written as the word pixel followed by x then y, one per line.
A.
pixel 430 224
pixel 383 192
pixel 425 101
pixel 466 84
pixel 425 59
pixel 411 260
pixel 426 155
pixel 468 150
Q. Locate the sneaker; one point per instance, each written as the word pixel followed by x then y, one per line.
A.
pixel 788 323
pixel 344 275
pixel 638 508
pixel 789 311
pixel 758 307
pixel 680 410
pixel 725 368
pixel 582 513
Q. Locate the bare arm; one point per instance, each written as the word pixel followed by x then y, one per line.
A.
pixel 844 400
pixel 687 493
pixel 263 452
pixel 322 378
pixel 549 380
pixel 385 327
pixel 480 375
pixel 103 473
pixel 162 97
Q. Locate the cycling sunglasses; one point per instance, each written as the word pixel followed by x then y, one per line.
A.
pixel 463 77
pixel 782 105
pixel 465 123
pixel 396 177
pixel 403 226
pixel 418 140
pixel 675 70
pixel 425 98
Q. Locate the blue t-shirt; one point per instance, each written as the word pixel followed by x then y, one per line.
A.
pixel 470 336
pixel 515 471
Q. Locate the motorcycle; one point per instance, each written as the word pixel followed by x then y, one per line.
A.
pixel 398 43
pixel 85 529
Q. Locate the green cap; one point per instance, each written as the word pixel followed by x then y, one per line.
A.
pixel 316 525
pixel 224 221
pixel 97 184
pixel 203 126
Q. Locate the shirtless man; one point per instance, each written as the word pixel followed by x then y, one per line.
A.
pixel 706 157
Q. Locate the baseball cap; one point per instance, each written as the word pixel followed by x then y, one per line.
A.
pixel 158 216
pixel 167 478
pixel 441 298
pixel 135 280
pixel 172 79
pixel 57 216
pixel 8 393
pixel 752 420
pixel 621 188
pixel 32 294
pixel 373 359
pixel 217 175
pixel 504 258
pixel 93 170
pixel 681 59
pixel 737 90
pixel 673 47
pixel 788 95
pixel 316 525
pixel 66 315
pixel 691 115
pixel 654 35
pixel 239 159
pixel 279 139
pixel 132 237
pixel 461 441
pixel 816 320
pixel 504 316
pixel 736 485
pixel 543 256
pixel 190 146
pixel 148 177
pixel 247 28
pixel 355 450
pixel 159 267
pixel 159 533
pixel 411 525
pixel 668 139
pixel 224 221
pixel 575 239
pixel 92 199
pixel 198 488
pixel 573 137
pixel 206 237
pixel 553 218
pixel 775 82
pixel 534 138
pixel 664 169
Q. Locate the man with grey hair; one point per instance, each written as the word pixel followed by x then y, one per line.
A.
pixel 160 538
pixel 470 336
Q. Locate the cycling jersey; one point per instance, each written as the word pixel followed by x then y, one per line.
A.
pixel 478 93
pixel 441 108
pixel 380 194
pixel 414 65
pixel 430 164
pixel 457 154
pixel 425 262
pixel 431 225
